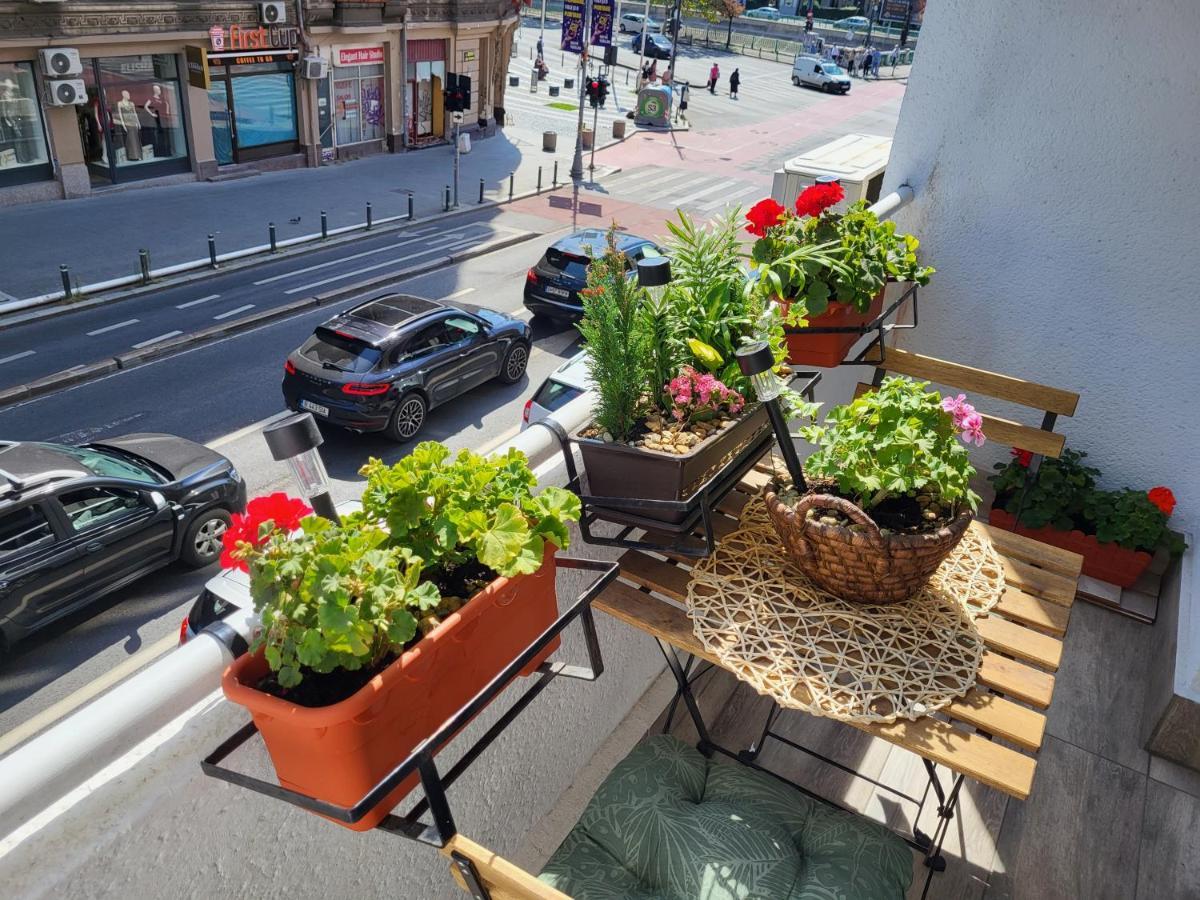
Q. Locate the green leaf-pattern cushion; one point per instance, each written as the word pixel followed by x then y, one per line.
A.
pixel 669 824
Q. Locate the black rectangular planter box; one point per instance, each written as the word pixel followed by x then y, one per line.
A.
pixel 616 471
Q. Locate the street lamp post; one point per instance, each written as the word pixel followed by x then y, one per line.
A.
pixel 757 363
pixel 577 162
pixel 294 440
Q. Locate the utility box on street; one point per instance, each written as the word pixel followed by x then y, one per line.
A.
pixel 858 161
pixel 653 107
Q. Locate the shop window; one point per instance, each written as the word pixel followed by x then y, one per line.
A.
pixel 23 155
pixel 264 108
pixel 141 95
pixel 358 109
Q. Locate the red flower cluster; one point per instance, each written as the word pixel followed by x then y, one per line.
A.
pixel 816 199
pixel 1023 457
pixel 1163 499
pixel 763 215
pixel 283 511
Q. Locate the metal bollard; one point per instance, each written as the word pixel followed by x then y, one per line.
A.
pixel 539 187
pixel 480 190
pixel 66 280
pixel 511 178
pixel 410 206
pixel 212 250
pixel 369 220
pixel 144 262
pixel 447 203
pixel 556 173
pixel 324 225
pixel 271 233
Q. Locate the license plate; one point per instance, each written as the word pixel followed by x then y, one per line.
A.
pixel 557 292
pixel 314 407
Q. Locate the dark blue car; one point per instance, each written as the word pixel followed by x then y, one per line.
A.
pixel 384 364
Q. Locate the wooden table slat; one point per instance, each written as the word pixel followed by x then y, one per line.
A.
pixel 1023 643
pixel 1027 609
pixel 973 755
pixel 1000 718
pixel 1017 546
pixel 1040 582
pixel 1016 679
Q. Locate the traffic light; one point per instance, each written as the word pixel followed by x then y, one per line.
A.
pixel 593 91
pixel 464 91
pixel 451 95
pixel 602 89
pixel 610 55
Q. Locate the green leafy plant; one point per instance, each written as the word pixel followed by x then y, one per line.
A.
pixel 618 335
pixel 334 597
pixel 451 511
pixel 1055 497
pixel 896 440
pixel 1130 519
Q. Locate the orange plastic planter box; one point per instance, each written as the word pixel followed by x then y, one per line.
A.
pixel 829 350
pixel 1108 562
pixel 337 753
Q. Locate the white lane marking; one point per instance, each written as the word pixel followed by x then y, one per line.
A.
pixel 461 293
pixel 721 186
pixel 112 327
pixel 249 429
pixel 155 340
pixel 197 302
pixel 234 312
pixel 16 356
pixel 470 242
pixel 343 259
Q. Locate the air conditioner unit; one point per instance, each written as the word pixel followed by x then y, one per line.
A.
pixel 314 68
pixel 60 62
pixel 272 13
pixel 66 92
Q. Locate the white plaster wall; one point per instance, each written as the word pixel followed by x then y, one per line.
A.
pixel 1055 153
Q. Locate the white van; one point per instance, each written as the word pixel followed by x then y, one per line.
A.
pixel 820 73
pixel 637 23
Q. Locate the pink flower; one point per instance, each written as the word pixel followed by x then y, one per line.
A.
pixel 972 429
pixel 954 405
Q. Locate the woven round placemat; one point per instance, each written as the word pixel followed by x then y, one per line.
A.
pixel 758 613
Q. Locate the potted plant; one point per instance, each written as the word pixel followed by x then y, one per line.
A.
pixel 891 495
pixel 671 406
pixel 846 293
pixel 1116 532
pixel 378 629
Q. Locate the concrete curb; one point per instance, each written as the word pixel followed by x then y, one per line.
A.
pixel 60 307
pixel 56 381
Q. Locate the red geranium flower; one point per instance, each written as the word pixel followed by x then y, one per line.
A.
pixel 283 511
pixel 763 215
pixel 1163 499
pixel 816 199
pixel 1023 457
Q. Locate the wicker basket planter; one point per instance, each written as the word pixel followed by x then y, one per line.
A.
pixel 863 565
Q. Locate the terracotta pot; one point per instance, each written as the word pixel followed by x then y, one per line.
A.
pixel 339 752
pixel 1108 562
pixel 618 470
pixel 861 565
pixel 829 350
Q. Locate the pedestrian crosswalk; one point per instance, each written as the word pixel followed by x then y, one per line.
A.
pixel 700 193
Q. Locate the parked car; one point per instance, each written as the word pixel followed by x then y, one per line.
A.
pixel 552 286
pixel 820 73
pixel 658 46
pixel 79 522
pixel 562 386
pixel 769 13
pixel 636 23
pixel 853 23
pixel 383 365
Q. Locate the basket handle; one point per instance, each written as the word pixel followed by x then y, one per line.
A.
pixel 845 507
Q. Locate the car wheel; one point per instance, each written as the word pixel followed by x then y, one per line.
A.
pixel 515 361
pixel 795 81
pixel 407 419
pixel 202 540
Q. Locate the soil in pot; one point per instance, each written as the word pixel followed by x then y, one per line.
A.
pixel 895 515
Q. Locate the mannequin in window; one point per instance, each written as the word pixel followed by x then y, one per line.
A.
pixel 16 122
pixel 159 110
pixel 126 119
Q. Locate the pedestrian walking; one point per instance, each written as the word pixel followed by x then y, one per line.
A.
pixel 714 75
pixel 539 45
pixel 683 101
pixel 734 80
pixel 848 65
pixel 875 63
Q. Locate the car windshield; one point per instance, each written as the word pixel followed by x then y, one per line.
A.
pixel 110 464
pixel 340 352
pixel 831 69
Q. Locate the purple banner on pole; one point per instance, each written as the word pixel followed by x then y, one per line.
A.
pixel 602 22
pixel 572 26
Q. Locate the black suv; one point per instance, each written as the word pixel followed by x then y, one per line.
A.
pixel 80 522
pixel 384 364
pixel 552 286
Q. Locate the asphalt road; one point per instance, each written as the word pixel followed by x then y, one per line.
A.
pixel 211 394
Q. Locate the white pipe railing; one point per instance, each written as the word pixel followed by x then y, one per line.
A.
pixel 59 759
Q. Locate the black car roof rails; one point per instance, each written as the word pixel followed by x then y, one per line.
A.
pixel 17 485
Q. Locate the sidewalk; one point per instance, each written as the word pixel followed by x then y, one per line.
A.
pixel 98 237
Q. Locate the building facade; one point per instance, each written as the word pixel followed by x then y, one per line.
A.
pixel 144 91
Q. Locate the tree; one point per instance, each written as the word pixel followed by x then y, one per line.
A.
pixel 730 9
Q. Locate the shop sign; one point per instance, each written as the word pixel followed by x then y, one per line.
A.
pixel 359 56
pixel 235 38
pixel 197 67
pixel 572 26
pixel 468 56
